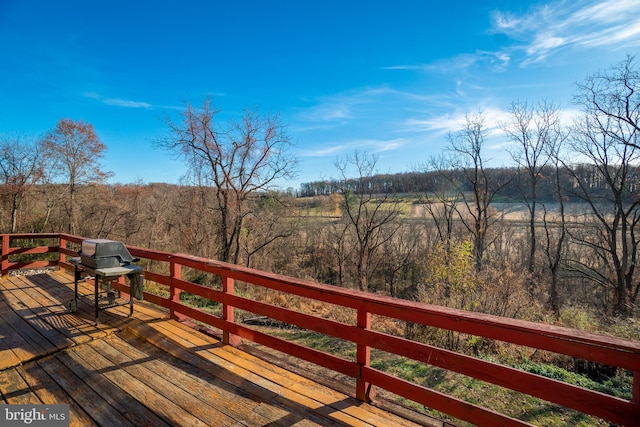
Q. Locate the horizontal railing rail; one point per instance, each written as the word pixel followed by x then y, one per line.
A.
pixel 615 352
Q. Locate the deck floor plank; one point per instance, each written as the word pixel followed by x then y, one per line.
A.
pixel 137 389
pixel 169 387
pixel 136 412
pixel 14 389
pixel 8 356
pixel 237 402
pixel 312 402
pixel 148 370
pixel 20 336
pixel 91 402
pixel 201 386
pixel 32 312
pixel 49 392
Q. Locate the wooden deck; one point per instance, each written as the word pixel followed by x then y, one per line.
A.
pixel 148 370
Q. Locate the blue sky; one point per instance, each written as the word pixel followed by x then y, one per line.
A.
pixel 385 78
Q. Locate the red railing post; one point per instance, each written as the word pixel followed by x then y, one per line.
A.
pixel 228 285
pixel 635 390
pixel 175 271
pixel 364 391
pixel 4 264
pixel 62 244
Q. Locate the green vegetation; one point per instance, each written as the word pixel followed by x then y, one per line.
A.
pixel 619 386
pixel 201 303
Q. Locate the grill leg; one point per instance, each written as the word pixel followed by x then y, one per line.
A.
pixel 97 300
pixel 76 273
pixel 73 305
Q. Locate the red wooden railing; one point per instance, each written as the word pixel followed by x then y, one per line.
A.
pixel 616 352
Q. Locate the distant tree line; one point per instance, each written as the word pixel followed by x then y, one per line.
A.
pixel 429 181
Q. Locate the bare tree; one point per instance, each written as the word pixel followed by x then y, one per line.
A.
pixel 441 199
pixel 474 209
pixel 607 134
pixel 159 218
pixel 535 131
pixel 269 222
pixel 239 160
pixel 21 167
pixel 366 213
pixel 609 138
pixel 614 94
pixel 399 256
pixel 112 211
pixel 193 221
pixel 555 230
pixel 75 151
pixel 337 245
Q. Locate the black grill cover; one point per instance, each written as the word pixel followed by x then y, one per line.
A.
pixel 103 253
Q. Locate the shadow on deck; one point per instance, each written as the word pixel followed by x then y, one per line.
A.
pixel 148 370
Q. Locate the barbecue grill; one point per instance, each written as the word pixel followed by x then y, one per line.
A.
pixel 106 261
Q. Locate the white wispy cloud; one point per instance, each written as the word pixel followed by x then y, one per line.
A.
pixel 365 145
pixel 328 111
pixel 118 102
pixel 358 104
pixel 545 30
pixel 494 120
pixel 559 25
pixel 454 122
pixel 341 107
pixel 496 61
pixel 328 150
